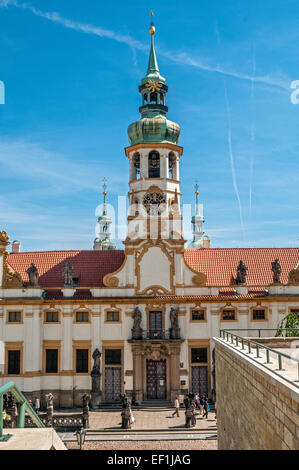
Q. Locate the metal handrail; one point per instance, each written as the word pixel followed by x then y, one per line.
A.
pixel 23 408
pixel 261 329
pixel 258 346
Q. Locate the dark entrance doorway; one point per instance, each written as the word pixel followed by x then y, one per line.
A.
pixel 200 380
pixel 112 383
pixel 155 325
pixel 156 379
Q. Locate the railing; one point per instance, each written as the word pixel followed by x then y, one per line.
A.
pixel 247 345
pixel 151 335
pixel 59 422
pixel 264 329
pixel 23 408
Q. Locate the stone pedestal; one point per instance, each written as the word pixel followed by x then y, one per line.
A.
pixel 137 333
pixel 96 394
pixel 174 333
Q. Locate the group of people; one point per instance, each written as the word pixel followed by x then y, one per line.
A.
pixel 201 403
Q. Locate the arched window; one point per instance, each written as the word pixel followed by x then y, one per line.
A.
pixel 153 98
pixel 171 164
pixel 154 165
pixel 136 161
pixel 145 100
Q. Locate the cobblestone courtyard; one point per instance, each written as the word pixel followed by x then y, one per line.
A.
pixel 145 420
pixel 148 445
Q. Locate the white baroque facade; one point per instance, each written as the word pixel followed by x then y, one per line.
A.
pixel 151 309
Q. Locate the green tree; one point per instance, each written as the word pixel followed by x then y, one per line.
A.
pixel 290 321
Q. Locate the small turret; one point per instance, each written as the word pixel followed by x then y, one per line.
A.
pixel 102 241
pixel 200 240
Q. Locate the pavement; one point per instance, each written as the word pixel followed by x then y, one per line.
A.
pixel 149 425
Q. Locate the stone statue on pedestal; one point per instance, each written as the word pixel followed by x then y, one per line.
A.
pixel 174 330
pixel 85 399
pixel 33 275
pixel 190 411
pixel 50 409
pixel 276 269
pixel 241 273
pixel 67 274
pixel 96 379
pixel 126 413
pixel 137 330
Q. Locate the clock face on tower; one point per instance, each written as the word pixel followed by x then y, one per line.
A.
pixel 154 203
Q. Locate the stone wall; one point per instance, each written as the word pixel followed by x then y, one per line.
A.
pixel 256 409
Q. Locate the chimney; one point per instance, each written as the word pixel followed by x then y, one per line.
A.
pixel 16 246
pixel 205 241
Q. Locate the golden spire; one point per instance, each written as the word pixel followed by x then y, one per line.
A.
pixel 152 29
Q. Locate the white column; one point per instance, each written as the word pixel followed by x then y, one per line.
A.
pixel 132 169
pixel 143 164
pixel 164 166
pixel 177 168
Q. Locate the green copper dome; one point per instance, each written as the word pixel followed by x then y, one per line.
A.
pixel 154 129
pixel 153 125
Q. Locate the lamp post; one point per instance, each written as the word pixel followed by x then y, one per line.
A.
pixel 81 434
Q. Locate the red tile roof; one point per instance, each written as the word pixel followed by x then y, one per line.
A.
pixel 89 266
pixel 220 264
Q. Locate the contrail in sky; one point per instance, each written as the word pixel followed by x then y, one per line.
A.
pixel 252 130
pixel 181 58
pixel 229 141
pixel 231 156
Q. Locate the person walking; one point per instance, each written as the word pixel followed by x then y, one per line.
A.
pixel 177 407
pixel 37 404
pixel 201 405
pixel 205 407
pixel 31 404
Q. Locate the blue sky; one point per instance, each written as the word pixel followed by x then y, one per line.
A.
pixel 71 72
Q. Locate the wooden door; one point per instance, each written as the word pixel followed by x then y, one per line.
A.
pixel 156 379
pixel 200 380
pixel 112 383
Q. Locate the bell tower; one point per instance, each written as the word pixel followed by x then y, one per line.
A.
pixel 154 159
pixel 154 262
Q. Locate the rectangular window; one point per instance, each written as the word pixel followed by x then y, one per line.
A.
pixel 258 315
pixel 14 362
pixel 295 310
pixel 198 315
pixel 199 355
pixel 82 317
pixel 82 361
pixel 52 317
pixel 51 361
pixel 14 317
pixel 228 315
pixel 112 316
pixel 113 356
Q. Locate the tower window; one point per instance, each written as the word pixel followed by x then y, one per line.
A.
pixel 144 96
pixel 154 165
pixel 162 98
pixel 136 160
pixel 171 164
pixel 153 98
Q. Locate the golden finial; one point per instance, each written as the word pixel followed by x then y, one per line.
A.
pixel 196 187
pixel 152 29
pixel 105 189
